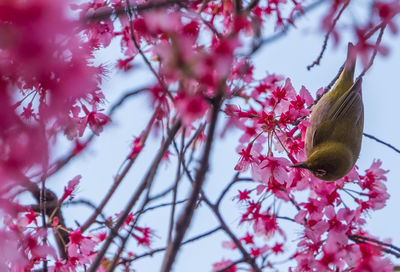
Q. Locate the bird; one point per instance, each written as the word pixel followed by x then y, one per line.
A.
pixel 333 141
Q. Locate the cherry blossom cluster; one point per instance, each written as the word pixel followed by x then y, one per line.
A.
pixel 48 82
pixel 271 120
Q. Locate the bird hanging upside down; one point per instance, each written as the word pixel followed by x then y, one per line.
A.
pixel 333 141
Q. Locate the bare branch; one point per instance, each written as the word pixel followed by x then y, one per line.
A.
pixel 98 16
pixel 186 217
pixel 146 60
pixel 381 142
pixel 247 258
pixel 384 247
pixel 198 237
pixel 61 236
pixel 371 60
pixel 226 189
pixel 119 178
pixel 231 265
pixel 143 185
pixel 328 34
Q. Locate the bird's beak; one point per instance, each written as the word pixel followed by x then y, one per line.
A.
pixel 300 165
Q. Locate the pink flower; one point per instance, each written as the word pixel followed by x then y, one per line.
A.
pixel 271 167
pixel 223 264
pixel 191 107
pixel 246 158
pixel 96 120
pixel 80 247
pixel 69 190
pixel 125 64
pixel 248 239
pixel 31 216
pixel 243 195
pixel 136 148
pixel 277 248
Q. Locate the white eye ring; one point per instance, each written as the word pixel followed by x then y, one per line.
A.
pixel 320 172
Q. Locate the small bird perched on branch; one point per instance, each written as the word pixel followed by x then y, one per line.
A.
pixel 333 141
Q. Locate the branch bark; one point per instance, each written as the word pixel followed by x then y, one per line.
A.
pixel 148 179
pixel 186 217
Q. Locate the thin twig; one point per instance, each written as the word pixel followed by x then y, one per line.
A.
pixel 62 237
pixel 376 241
pixel 226 189
pixel 119 178
pixel 186 217
pixel 377 244
pixel 247 258
pixel 377 43
pixel 285 29
pixel 143 185
pixel 226 268
pixel 197 237
pixel 87 203
pixel 162 194
pixel 146 60
pixel 98 16
pixel 60 163
pixel 176 183
pixel 328 34
pixel 381 142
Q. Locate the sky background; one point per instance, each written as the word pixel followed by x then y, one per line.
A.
pixel 288 56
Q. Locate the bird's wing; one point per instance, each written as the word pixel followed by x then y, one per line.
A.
pixel 349 107
pixel 318 116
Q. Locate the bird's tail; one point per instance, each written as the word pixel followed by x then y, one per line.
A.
pixel 346 80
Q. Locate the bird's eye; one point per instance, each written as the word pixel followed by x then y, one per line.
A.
pixel 320 172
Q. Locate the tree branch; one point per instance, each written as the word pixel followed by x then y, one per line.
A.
pixel 327 35
pixel 381 142
pixel 186 217
pixel 143 185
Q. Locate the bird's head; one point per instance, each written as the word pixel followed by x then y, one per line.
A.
pixel 329 161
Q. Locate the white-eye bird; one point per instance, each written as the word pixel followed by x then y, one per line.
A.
pixel 333 141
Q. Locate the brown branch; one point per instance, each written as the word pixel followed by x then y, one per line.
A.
pixel 87 203
pixel 384 247
pixel 146 60
pixel 157 250
pixel 60 163
pixel 226 189
pixel 226 268
pixel 376 242
pixel 377 43
pixel 98 16
pixel 237 6
pixel 246 257
pixel 119 178
pixel 371 61
pixel 61 236
pixel 285 29
pixel 175 188
pixel 186 217
pixel 147 180
pixel 381 142
pixel 252 5
pixel 328 34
